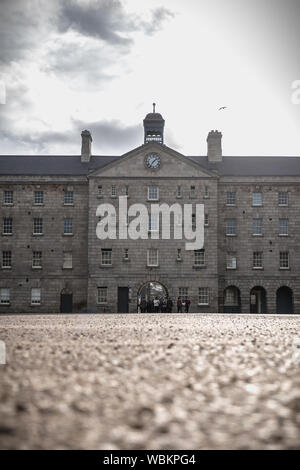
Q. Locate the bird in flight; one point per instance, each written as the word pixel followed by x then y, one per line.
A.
pixel 223 107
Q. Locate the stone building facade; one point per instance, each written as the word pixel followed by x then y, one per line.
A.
pixel 53 261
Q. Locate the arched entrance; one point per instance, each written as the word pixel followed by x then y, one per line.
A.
pixel 66 301
pixel 232 300
pixel 284 300
pixel 258 300
pixel 148 292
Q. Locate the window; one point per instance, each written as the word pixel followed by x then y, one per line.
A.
pixel 153 223
pixel 100 194
pixel 257 199
pixel 178 254
pixel 183 293
pixel 257 259
pixel 7 225
pixel 283 227
pixel 203 296
pixel 179 191
pixel 69 197
pixel 231 261
pixel 230 198
pixel 102 295
pixel 126 190
pixel 231 227
pixel 284 261
pixel 257 227
pixel 153 193
pixel 283 199
pixel 8 197
pixel 152 254
pixel 206 220
pixel 4 296
pixel 106 257
pixel 68 226
pixel 193 221
pixel 6 259
pixel 206 192
pixel 38 197
pixel 36 259
pixel 67 260
pixel 193 191
pixel 37 226
pixel 35 296
pixel 113 191
pixel 231 296
pixel 199 257
pixel 126 253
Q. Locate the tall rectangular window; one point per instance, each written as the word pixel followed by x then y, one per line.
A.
pixel 206 192
pixel 8 197
pixel 283 226
pixel 102 295
pixel 231 227
pixel 199 257
pixel 100 193
pixel 4 296
pixel 153 193
pixel 69 197
pixel 257 227
pixel 67 260
pixel 284 260
pixel 179 191
pixel 127 190
pixel 153 223
pixel 203 296
pixel 231 261
pixel 257 259
pixel 7 226
pixel 230 198
pixel 6 259
pixel 193 191
pixel 36 259
pixel 152 257
pixel 68 226
pixel 37 226
pixel 183 293
pixel 35 296
pixel 257 199
pixel 106 256
pixel 283 198
pixel 206 219
pixel 113 191
pixel 38 197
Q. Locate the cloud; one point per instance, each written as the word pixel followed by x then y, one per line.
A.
pixel 159 15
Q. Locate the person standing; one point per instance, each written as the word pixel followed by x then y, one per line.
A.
pixel 179 305
pixel 187 304
pixel 169 305
pixel 156 304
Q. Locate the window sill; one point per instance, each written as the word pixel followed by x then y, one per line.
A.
pixel 203 305
pixel 283 234
pixel 35 305
pixel 6 267
pixel 230 205
pixel 37 234
pixel 284 269
pixel 4 304
pixel 68 204
pixel 257 205
pixel 38 204
pixel 197 266
pixel 113 197
pixel 7 234
pixel 283 205
pixel 152 200
pixel 152 266
pixel 179 260
pixel 258 269
pixel 126 260
pixel 106 265
pixel 230 234
pixel 257 235
pixel 8 204
pixel 68 234
pixel 102 303
pixel 231 269
pixel 36 267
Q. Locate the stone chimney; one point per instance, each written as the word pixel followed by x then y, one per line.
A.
pixel 214 146
pixel 86 146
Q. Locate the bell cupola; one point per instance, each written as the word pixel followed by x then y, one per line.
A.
pixel 154 127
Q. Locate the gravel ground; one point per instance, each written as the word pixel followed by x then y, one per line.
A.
pixel 150 382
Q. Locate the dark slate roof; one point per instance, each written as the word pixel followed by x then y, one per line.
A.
pixel 71 165
pixel 252 166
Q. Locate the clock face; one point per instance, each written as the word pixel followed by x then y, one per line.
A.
pixel 152 161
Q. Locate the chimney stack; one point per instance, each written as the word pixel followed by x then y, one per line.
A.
pixel 214 146
pixel 86 146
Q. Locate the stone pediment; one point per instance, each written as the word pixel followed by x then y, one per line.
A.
pixel 172 165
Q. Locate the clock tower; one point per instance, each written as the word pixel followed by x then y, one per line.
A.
pixel 154 127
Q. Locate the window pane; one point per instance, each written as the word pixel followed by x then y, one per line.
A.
pixel 183 293
pixel 6 259
pixel 257 199
pixel 37 225
pixel 231 227
pixel 203 297
pixel 106 256
pixel 230 198
pixel 153 257
pixel 102 295
pixel 283 198
pixel 4 295
pixel 257 227
pixel 199 257
pixel 7 225
pixel 284 259
pixel 67 260
pixel 8 197
pixel 38 197
pixel 36 259
pixel 35 296
pixel 68 226
pixel 257 259
pixel 153 193
pixel 69 197
pixel 283 226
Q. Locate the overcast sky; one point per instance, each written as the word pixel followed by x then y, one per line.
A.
pixel 69 65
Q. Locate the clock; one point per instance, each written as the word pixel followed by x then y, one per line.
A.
pixel 152 161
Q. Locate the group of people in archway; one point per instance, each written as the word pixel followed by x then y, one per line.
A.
pixel 163 305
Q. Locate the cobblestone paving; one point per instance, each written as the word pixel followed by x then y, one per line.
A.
pixel 150 382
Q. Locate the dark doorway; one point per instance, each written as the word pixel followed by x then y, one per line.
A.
pixel 258 300
pixel 232 300
pixel 284 301
pixel 66 303
pixel 123 299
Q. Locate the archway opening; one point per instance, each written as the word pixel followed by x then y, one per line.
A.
pixel 232 300
pixel 66 301
pixel 284 301
pixel 258 300
pixel 148 295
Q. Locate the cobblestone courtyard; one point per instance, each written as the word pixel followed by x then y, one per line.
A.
pixel 150 382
